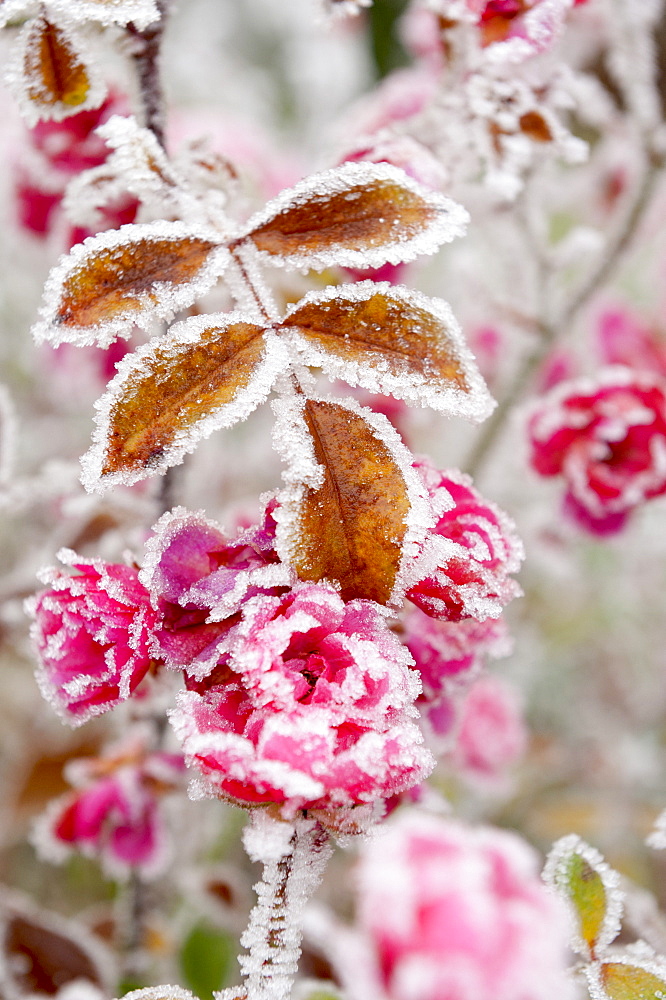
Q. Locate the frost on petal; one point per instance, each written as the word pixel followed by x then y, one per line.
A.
pixel 355 215
pixel 628 978
pixel 363 513
pixel 133 275
pixel 591 888
pixel 390 340
pixel 51 72
pixel 208 373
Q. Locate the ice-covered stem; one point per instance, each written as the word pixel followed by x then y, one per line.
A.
pixel 548 331
pixel 294 856
pixel 147 57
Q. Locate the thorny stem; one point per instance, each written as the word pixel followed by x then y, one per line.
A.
pixel 550 330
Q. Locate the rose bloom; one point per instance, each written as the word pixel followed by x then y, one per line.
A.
pixel 114 813
pixel 311 708
pixel 455 912
pixel 465 568
pixel 449 656
pixel 199 578
pixel 607 438
pixel 491 734
pixel 91 632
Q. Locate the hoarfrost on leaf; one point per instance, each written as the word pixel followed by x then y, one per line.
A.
pixel 360 215
pixel 51 71
pixel 208 373
pixel 358 513
pixel 393 340
pixel 591 887
pixel 133 275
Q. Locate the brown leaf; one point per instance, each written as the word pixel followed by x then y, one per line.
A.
pixel 55 74
pixel 352 526
pixel 209 373
pixel 392 340
pixel 129 276
pixel 355 215
pixel 43 953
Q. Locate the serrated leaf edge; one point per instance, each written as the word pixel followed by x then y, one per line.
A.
pixel 275 360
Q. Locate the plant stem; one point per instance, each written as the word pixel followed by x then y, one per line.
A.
pixel 147 60
pixel 550 330
pixel 294 857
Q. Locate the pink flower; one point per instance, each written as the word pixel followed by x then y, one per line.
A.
pixel 198 580
pixel 114 813
pixel 466 564
pixel 624 340
pixel 607 438
pixel 92 634
pixel 491 733
pixel 454 912
pixel 448 657
pixel 536 23
pixel 312 707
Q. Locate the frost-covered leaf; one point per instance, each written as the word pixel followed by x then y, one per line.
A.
pixel 42 954
pixel 355 215
pixel 133 275
pixel 391 340
pixel 354 510
pixel 208 373
pixel 628 978
pixel 591 887
pixel 51 72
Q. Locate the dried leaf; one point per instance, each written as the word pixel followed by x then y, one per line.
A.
pixel 210 372
pixel 132 275
pixel 355 215
pixel 43 953
pixel 591 887
pixel 349 513
pixel 391 340
pixel 629 980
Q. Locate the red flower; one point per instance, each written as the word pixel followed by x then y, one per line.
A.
pixel 466 564
pixel 607 438
pixel 313 707
pixel 91 632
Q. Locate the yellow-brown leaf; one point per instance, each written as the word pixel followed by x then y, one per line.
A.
pixel 390 328
pixel 351 528
pixel 133 276
pixel 169 391
pixel 55 73
pixel 358 214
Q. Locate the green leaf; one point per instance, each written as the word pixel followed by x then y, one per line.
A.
pixel 622 981
pixel 591 888
pixel 207 959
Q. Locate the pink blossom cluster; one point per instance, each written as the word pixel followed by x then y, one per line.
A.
pixel 453 912
pixel 293 696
